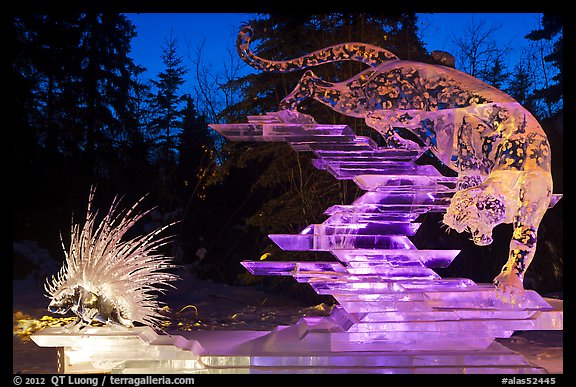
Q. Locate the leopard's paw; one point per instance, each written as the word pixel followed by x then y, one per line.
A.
pixel 509 287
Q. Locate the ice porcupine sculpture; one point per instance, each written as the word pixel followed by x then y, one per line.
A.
pixel 110 280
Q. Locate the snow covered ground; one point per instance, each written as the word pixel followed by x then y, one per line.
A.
pixel 219 306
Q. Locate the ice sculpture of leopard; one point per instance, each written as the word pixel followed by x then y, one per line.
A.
pixel 498 149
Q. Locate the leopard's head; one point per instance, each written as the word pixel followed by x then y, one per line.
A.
pixel 476 211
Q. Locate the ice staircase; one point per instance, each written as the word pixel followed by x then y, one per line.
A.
pixel 395 314
pixel 389 296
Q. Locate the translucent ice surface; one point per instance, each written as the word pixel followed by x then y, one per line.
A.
pixel 389 298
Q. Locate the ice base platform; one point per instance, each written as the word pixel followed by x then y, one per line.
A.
pixel 142 350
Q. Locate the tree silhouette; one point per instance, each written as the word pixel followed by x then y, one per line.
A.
pixel 550 55
pixel 74 110
pixel 166 121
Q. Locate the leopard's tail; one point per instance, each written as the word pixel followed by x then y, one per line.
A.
pixel 360 52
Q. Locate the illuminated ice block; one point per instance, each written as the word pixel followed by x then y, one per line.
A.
pixel 334 226
pixel 340 241
pixel 286 349
pixel 294 268
pixel 400 258
pixel 389 297
pixel 405 183
pixel 365 149
pixel 349 170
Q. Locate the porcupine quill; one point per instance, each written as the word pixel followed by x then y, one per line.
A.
pixel 110 280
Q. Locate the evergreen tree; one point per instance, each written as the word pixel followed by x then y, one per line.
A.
pixel 520 84
pixel 48 48
pixel 75 110
pixel 197 152
pixel 166 121
pixel 496 75
pixel 81 74
pixel 550 93
pixel 137 172
pixel 105 78
pixel 196 164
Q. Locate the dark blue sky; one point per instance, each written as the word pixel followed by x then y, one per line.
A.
pixel 218 32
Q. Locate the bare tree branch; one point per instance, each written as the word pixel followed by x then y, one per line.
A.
pixel 477 49
pixel 213 91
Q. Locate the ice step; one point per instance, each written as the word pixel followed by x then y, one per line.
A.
pixel 376 285
pixel 309 242
pixel 407 198
pixel 350 171
pixel 294 268
pixel 411 209
pixel 366 149
pixel 399 257
pixel 334 227
pixel 405 182
pixel 385 217
pixel 270 131
pixel 310 271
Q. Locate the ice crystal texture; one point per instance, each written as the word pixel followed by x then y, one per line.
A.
pixel 498 149
pixel 389 296
pixel 109 278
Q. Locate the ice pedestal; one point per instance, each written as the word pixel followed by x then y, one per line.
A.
pixel 395 314
pixel 287 349
pixel 389 296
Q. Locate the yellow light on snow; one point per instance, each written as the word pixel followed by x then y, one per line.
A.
pixel 25 325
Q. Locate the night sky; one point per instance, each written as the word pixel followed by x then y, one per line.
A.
pixel 218 32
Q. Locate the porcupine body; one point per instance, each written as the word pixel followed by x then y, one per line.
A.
pixel 108 278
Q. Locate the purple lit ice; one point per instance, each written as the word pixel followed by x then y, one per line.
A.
pixel 389 298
